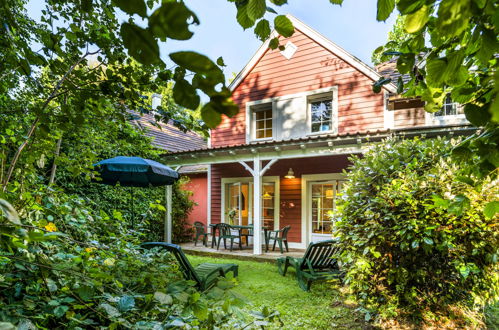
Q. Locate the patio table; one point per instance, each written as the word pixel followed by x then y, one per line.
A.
pixel 240 229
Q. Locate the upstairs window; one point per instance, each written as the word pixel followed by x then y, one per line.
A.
pixel 321 114
pixel 262 122
pixel 450 108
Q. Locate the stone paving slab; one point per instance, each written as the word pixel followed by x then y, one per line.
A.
pixel 245 254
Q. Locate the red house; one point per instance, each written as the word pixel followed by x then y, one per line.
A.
pixel 303 112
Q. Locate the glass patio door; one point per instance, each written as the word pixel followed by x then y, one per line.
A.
pixel 322 206
pixel 239 203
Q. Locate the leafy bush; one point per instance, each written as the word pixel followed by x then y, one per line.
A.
pixel 62 265
pixel 414 233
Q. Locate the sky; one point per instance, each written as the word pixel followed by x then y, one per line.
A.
pixel 352 26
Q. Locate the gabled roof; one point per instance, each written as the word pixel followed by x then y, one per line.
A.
pixel 168 137
pixel 321 40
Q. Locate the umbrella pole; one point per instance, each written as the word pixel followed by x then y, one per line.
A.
pixel 131 197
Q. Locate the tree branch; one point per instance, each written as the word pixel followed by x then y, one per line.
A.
pixel 34 125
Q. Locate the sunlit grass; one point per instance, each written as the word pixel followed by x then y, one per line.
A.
pixel 324 307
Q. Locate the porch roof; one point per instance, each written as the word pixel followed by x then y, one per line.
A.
pixel 308 146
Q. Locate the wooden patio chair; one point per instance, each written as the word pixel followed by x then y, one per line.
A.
pixel 205 275
pixel 224 234
pixel 318 263
pixel 279 236
pixel 200 232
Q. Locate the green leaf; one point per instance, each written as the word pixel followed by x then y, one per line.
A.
pixel 110 310
pixel 417 20
pixel 171 20
pixel 274 43
pixel 132 7
pixel 59 311
pixel 243 19
pixel 406 7
pixel 126 303
pixel 379 83
pixel 262 29
pixel 140 43
pixel 256 9
pixel 210 116
pixel 478 116
pixel 436 71
pixel 9 212
pixel 406 62
pixel 220 61
pixel 491 209
pixel 385 8
pixel 85 292
pixel 428 241
pixel 453 17
pixel 185 95
pixel 197 63
pixel 336 2
pixel 284 26
pixel 279 2
pixel 163 298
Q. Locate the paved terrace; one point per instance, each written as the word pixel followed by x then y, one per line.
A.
pixel 245 254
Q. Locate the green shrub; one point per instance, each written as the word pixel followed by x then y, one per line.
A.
pixel 414 234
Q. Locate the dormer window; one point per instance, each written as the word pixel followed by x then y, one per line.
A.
pixel 262 121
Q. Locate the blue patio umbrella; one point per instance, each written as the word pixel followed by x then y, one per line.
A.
pixel 135 172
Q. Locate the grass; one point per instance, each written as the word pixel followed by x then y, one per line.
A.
pixel 323 307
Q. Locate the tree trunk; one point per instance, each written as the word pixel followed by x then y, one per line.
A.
pixel 54 164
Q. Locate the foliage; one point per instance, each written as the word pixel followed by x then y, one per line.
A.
pixel 51 279
pixel 414 233
pixel 448 53
pixel 326 306
pixel 396 36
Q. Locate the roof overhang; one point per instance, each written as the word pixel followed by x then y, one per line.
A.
pixel 311 146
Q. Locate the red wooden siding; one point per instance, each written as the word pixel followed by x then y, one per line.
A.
pixel 198 184
pixel 290 189
pixel 312 67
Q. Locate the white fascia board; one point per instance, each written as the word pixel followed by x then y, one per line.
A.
pixel 269 155
pixel 320 39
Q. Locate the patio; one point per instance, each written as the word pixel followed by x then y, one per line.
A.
pixel 245 254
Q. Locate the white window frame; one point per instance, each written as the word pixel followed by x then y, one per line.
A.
pixel 251 109
pixel 265 179
pixel 459 119
pixel 320 94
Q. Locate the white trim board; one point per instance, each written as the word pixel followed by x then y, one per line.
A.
pixel 321 40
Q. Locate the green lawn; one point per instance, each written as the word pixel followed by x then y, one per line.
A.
pixel 324 307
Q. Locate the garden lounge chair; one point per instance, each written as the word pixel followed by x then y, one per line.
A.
pixel 200 232
pixel 226 233
pixel 318 263
pixel 279 236
pixel 205 275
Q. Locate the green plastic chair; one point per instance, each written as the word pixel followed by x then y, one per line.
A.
pixel 200 232
pixel 205 275
pixel 279 236
pixel 224 234
pixel 318 263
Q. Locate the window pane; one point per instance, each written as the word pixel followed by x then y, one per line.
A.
pixel 260 134
pixel 260 114
pixel 321 113
pixel 268 123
